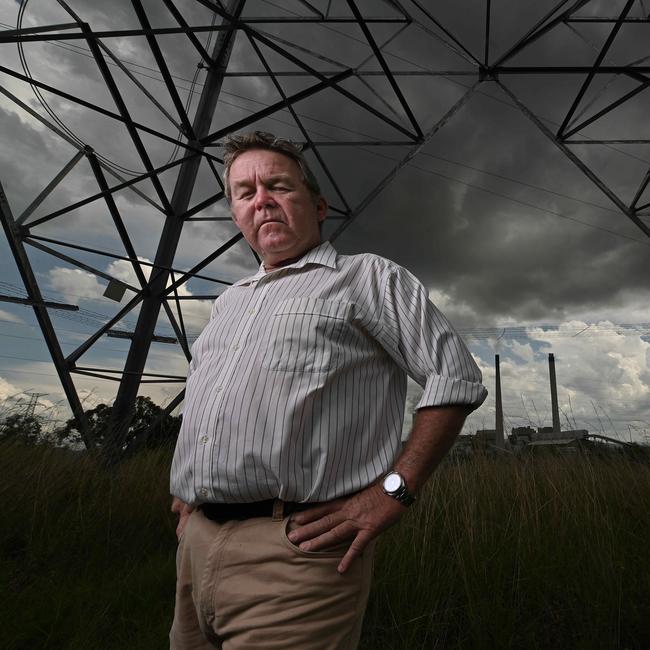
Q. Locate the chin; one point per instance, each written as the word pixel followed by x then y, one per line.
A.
pixel 277 246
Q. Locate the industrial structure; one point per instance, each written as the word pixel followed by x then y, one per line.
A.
pixel 529 438
pixel 282 50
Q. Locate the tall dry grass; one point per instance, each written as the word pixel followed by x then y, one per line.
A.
pixel 86 554
pixel 547 552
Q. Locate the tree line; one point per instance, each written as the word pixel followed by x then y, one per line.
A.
pixel 150 427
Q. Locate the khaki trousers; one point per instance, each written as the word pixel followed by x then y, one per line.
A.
pixel 242 585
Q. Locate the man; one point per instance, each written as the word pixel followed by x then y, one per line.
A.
pixel 288 464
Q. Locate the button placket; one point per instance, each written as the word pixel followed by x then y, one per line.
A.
pixel 236 347
pixel 252 310
pixel 225 378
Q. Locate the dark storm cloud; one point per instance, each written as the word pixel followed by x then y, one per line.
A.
pixel 504 259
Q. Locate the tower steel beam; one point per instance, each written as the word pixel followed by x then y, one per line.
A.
pixel 78 263
pixel 571 156
pixel 113 190
pixel 296 117
pixel 599 60
pixel 333 82
pixel 125 115
pixel 541 27
pixel 181 336
pixel 91 340
pixel 486 53
pixel 274 108
pixel 87 249
pixel 372 195
pixel 190 32
pixel 141 87
pixel 203 263
pixel 137 356
pixel 28 301
pixel 640 191
pixel 48 190
pixel 607 109
pixel 22 36
pixel 164 70
pixel 437 23
pixel 385 68
pixel 315 67
pixel 596 141
pixel 63 367
pixel 131 124
pixel 117 219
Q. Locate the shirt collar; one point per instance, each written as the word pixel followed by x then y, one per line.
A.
pixel 322 255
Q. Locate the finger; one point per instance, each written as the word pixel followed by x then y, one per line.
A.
pixel 356 549
pixel 314 529
pixel 334 537
pixel 182 522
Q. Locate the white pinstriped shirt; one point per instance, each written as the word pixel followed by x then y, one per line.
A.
pixel 297 385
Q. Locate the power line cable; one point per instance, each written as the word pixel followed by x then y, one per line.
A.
pixel 514 200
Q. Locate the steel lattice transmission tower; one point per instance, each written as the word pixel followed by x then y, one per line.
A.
pixel 290 64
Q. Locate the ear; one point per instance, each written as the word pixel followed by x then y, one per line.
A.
pixel 321 208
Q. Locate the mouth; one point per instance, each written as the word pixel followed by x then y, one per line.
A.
pixel 270 221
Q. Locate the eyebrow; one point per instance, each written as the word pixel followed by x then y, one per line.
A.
pixel 285 178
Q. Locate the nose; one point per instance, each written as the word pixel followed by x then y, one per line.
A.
pixel 263 198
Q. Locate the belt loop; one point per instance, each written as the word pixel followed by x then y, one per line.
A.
pixel 278 510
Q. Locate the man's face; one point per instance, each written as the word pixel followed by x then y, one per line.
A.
pixel 272 206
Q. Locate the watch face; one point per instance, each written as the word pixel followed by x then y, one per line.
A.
pixel 392 482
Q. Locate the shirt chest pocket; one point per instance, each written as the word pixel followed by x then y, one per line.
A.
pixel 307 335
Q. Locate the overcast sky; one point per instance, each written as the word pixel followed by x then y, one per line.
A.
pixel 516 245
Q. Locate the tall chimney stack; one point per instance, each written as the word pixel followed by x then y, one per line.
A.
pixel 498 425
pixel 554 406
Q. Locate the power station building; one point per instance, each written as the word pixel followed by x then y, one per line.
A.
pixel 523 437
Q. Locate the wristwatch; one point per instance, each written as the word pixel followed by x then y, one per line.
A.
pixel 394 486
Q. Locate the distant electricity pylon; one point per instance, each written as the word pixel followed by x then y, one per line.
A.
pixel 299 59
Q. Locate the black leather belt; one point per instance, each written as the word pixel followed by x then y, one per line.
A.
pixel 268 508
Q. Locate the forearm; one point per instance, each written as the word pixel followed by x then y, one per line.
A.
pixel 364 515
pixel 434 431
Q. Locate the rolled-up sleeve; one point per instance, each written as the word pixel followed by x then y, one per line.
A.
pixel 423 342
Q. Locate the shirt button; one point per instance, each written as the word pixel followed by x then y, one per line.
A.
pixel 204 439
pixel 235 347
pixel 219 389
pixel 204 492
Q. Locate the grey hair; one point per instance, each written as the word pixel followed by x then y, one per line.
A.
pixel 235 145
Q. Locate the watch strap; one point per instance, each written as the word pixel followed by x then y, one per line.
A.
pixel 404 496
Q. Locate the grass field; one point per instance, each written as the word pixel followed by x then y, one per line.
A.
pixel 550 552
